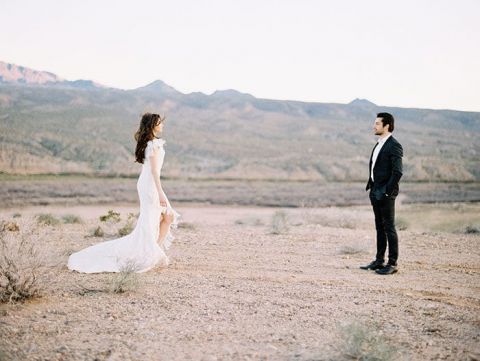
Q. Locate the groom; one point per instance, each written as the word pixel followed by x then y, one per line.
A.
pixel 385 173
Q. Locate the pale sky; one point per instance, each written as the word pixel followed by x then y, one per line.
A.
pixel 409 53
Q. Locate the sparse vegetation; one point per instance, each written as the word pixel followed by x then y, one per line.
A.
pixel 365 343
pixel 98 232
pixel 71 219
pixel 186 225
pixel 126 279
pixel 47 219
pixel 111 216
pixel 352 249
pixel 23 269
pixel 472 229
pixel 128 226
pixel 9 226
pixel 401 223
pixel 345 222
pixel 250 221
pixel 279 223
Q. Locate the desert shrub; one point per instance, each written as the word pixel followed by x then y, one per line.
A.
pixel 71 219
pixel 9 226
pixel 401 224
pixel 361 342
pixel 472 229
pixel 111 216
pixel 47 219
pixel 23 268
pixel 16 215
pixel 98 232
pixel 351 249
pixel 334 218
pixel 128 226
pixel 126 279
pixel 186 225
pixel 345 222
pixel 279 223
pixel 249 221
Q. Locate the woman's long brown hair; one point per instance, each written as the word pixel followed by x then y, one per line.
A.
pixel 145 133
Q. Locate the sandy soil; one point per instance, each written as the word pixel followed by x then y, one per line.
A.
pixel 235 291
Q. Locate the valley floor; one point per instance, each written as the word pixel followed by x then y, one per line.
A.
pixel 235 290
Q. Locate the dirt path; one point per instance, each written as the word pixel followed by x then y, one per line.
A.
pixel 234 291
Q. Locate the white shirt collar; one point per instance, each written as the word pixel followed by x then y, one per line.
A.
pixel 383 140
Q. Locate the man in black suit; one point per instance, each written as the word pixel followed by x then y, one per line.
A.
pixel 385 173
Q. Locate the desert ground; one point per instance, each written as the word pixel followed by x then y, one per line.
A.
pixel 257 283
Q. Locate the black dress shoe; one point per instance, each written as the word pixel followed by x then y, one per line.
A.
pixel 373 265
pixel 387 270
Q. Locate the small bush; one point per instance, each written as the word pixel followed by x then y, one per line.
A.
pixel 47 219
pixel 111 216
pixel 249 221
pixel 279 223
pixel 126 279
pixel 346 222
pixel 186 225
pixel 23 269
pixel 9 226
pixel 128 226
pixel 126 229
pixel 71 219
pixel 472 230
pixel 351 250
pixel 401 224
pixel 360 342
pixel 98 232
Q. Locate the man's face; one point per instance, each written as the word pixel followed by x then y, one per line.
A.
pixel 378 127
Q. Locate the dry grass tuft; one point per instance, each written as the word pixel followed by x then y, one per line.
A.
pixel 126 279
pixel 72 219
pixel 279 223
pixel 98 232
pixel 362 342
pixel 187 225
pixel 249 221
pixel 352 249
pixel 9 226
pixel 23 266
pixel 401 224
pixel 47 219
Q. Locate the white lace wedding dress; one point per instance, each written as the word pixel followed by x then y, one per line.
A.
pixel 138 250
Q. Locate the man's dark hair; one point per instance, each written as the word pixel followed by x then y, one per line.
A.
pixel 387 118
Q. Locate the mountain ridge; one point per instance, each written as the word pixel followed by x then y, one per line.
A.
pixel 55 128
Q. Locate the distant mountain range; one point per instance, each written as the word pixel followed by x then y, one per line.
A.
pixel 52 125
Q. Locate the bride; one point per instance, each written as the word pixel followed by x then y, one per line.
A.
pixel 145 247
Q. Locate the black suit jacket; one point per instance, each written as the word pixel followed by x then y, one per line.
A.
pixel 387 171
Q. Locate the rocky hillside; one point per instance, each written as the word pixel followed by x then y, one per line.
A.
pixel 58 126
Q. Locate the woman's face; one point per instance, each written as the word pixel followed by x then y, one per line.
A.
pixel 158 128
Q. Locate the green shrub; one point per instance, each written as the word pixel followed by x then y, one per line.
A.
pixel 71 219
pixel 111 216
pixel 361 342
pixel 279 223
pixel 98 232
pixel 47 219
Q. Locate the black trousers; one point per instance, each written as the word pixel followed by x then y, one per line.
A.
pixel 384 211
